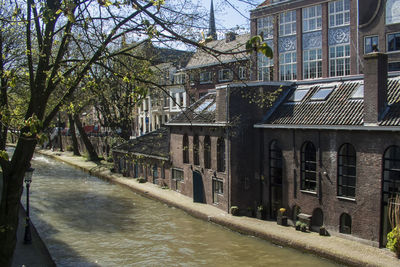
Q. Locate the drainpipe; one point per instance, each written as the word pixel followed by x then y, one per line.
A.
pixel 358 41
pixel 261 165
pixel 228 147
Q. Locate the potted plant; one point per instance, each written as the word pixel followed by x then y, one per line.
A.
pixel 303 227
pixel 323 231
pixel 261 212
pixel 235 210
pixel 298 225
pixel 282 219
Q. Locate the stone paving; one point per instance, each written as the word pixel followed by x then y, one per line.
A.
pixel 338 249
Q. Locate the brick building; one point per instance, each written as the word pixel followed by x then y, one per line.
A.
pixel 318 38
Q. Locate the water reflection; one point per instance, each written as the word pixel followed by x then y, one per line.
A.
pixel 89 222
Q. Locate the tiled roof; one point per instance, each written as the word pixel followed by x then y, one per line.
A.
pixel 340 108
pixel 203 59
pixel 265 3
pixel 155 144
pixel 202 111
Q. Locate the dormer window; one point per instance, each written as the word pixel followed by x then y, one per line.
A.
pixel 299 94
pixel 323 93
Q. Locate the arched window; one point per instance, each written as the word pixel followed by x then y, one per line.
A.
pixel 347 171
pixel 221 154
pixel 155 174
pixel 275 176
pixel 308 167
pixel 317 218
pixel 207 152
pixel 196 150
pixel 185 148
pixel 345 224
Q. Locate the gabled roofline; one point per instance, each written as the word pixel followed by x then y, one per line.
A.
pixel 329 127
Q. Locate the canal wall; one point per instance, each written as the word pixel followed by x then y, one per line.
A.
pixel 335 248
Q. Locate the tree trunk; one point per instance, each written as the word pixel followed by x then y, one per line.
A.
pixel 89 147
pixel 13 175
pixel 73 135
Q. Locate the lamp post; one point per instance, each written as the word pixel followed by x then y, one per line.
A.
pixel 28 180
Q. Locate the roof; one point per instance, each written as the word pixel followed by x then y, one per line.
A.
pixel 265 3
pixel 154 144
pixel 203 59
pixel 201 112
pixel 340 108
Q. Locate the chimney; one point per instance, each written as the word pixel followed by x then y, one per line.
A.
pixel 375 87
pixel 220 111
pixel 230 36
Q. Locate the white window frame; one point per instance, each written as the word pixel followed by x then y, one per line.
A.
pixel 225 75
pixel 242 73
pixel 316 63
pixel 287 27
pixel 387 42
pixel 316 18
pixel 334 15
pixel 344 57
pixel 205 77
pixel 265 66
pixel 266 26
pixel 292 64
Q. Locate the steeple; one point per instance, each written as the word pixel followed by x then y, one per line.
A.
pixel 211 28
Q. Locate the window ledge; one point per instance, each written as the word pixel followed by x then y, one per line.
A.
pixel 346 198
pixel 309 192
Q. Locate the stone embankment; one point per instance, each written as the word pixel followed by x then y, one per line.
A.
pixel 332 247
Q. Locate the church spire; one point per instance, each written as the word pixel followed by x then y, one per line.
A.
pixel 211 29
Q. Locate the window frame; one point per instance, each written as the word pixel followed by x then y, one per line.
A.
pixel 317 18
pixel 205 77
pixel 225 75
pixel 266 26
pixel 317 62
pixel 365 43
pixel 308 161
pixel 335 14
pixel 387 42
pixel 242 73
pixel 221 155
pixel 217 189
pixel 345 177
pixel 207 152
pixel 346 71
pixel 283 65
pixel 179 179
pixel 283 23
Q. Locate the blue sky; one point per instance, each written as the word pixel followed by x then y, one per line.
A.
pixel 227 17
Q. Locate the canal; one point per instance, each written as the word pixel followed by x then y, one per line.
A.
pixel 86 221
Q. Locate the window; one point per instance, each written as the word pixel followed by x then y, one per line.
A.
pixel 218 189
pixel 347 171
pixel 166 101
pixel 196 150
pixel 392 11
pixel 370 43
pixel 179 78
pixel 265 67
pixel 205 77
pixel 308 167
pixel 275 176
pixel 339 13
pixel 242 73
pixel 345 224
pixel 182 99
pixel 312 63
pixel 207 152
pixel 287 23
pixel 358 92
pixel 225 75
pixel 312 18
pixel 287 66
pixel 266 26
pixel 221 154
pixel 393 40
pixel 394 66
pixel 177 176
pixel 185 148
pixel 339 60
pixel 323 93
pixel 155 174
pixel 299 94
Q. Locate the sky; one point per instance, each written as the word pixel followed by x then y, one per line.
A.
pixel 227 17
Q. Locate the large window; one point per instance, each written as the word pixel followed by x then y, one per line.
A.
pixel 265 67
pixel 242 73
pixel 308 167
pixel 312 18
pixel 312 63
pixel 205 77
pixel 287 66
pixel 225 75
pixel 207 152
pixel 393 40
pixel 266 26
pixel 196 150
pixel 347 171
pixel 218 189
pixel 221 154
pixel 339 60
pixel 339 13
pixel 287 23
pixel 392 11
pixel 185 148
pixel 370 43
pixel 177 176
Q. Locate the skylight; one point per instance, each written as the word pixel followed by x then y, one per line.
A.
pixel 203 105
pixel 358 92
pixel 323 93
pixel 299 94
pixel 212 107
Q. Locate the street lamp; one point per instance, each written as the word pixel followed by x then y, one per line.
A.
pixel 28 180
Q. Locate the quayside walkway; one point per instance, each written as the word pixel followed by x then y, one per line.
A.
pixel 338 249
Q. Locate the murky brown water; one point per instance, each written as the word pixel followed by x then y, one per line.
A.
pixel 88 222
